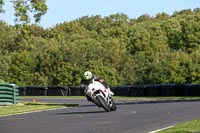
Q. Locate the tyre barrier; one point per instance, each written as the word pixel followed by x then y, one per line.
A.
pixel 122 91
pixel 9 94
pixel 172 90
pixel 57 91
pixel 43 91
pixel 188 90
pixel 36 91
pixel 135 90
pixel 76 91
pixel 160 90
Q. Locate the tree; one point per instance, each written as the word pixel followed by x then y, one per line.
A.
pixel 143 18
pixel 162 16
pixel 121 50
pixel 1 6
pixel 22 68
pixel 173 28
pixel 23 11
pixel 8 38
pixel 183 12
pixel 191 33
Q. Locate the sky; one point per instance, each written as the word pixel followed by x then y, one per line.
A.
pixel 60 11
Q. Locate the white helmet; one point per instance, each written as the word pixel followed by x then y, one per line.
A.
pixel 87 75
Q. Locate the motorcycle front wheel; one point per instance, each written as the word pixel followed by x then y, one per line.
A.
pixel 103 103
pixel 113 106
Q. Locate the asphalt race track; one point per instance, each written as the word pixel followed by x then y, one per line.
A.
pixel 87 118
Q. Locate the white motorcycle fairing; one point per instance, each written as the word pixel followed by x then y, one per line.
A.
pixel 96 88
pixel 100 95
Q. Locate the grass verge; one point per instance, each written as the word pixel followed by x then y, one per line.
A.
pixel 31 107
pixel 187 127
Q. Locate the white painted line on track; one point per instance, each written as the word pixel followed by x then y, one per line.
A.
pixel 160 129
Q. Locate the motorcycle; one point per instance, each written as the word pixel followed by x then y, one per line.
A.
pixel 101 96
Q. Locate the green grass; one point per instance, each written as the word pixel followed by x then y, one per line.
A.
pixel 31 107
pixel 188 127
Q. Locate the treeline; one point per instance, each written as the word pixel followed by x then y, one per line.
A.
pixel 124 51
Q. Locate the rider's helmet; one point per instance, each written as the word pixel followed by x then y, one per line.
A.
pixel 87 75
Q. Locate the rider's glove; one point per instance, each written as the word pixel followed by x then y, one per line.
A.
pixel 101 80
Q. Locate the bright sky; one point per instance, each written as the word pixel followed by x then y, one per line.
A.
pixel 67 10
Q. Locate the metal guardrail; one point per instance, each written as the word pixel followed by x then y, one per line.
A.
pixel 9 94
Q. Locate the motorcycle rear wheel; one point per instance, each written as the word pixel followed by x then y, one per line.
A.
pixel 103 103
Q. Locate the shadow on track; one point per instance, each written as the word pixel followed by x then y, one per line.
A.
pixel 117 103
pixel 80 112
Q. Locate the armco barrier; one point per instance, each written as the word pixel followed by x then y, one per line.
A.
pixel 9 94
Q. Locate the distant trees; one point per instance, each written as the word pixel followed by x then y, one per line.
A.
pixel 124 51
pixel 24 10
pixel 1 6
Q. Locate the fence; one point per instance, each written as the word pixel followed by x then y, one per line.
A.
pixel 9 94
pixel 136 90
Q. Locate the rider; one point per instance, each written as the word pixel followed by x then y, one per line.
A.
pixel 87 79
